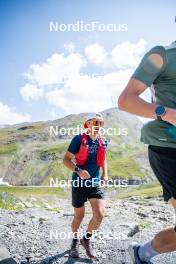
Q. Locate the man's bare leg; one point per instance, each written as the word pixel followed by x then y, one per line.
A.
pixel 98 209
pixel 165 241
pixel 78 217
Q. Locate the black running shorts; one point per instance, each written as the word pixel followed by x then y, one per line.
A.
pixel 163 164
pixel 81 194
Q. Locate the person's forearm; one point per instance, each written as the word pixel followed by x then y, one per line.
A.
pixel 137 106
pixel 69 164
pixel 83 174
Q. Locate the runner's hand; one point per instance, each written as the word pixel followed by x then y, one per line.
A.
pixel 105 178
pixel 84 175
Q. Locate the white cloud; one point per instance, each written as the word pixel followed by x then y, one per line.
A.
pixel 122 56
pixel 56 69
pixel 128 54
pixel 31 92
pixel 57 98
pixel 65 87
pixel 8 115
pixel 84 93
pixel 96 54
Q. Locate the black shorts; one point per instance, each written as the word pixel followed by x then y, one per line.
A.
pixel 81 194
pixel 163 163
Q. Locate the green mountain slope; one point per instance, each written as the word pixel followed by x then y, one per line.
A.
pixel 30 155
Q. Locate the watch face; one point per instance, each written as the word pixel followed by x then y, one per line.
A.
pixel 160 110
pixel 77 169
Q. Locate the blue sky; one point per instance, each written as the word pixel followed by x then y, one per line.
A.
pixel 26 40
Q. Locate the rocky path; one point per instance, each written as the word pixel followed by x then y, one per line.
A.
pixel 42 236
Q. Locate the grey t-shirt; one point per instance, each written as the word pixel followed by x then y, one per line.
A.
pixel 162 79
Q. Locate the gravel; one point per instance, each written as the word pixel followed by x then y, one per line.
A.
pixel 37 235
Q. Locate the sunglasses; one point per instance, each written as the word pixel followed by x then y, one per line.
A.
pixel 97 123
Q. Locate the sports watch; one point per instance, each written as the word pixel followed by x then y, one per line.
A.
pixel 160 111
pixel 77 169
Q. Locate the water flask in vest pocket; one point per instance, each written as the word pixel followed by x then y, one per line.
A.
pixel 101 154
pixel 82 155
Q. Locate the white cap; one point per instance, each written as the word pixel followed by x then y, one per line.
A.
pixel 97 116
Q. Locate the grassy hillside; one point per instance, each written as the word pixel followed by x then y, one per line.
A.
pixel 152 190
pixel 18 198
pixel 29 155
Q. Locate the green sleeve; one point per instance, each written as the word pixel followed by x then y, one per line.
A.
pixel 148 70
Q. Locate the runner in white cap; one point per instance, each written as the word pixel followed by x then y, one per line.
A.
pixel 89 152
